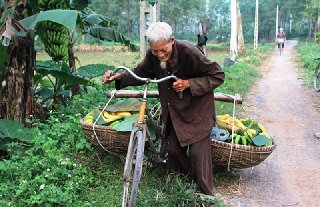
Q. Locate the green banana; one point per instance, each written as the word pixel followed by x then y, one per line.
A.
pixel 237 139
pixel 244 140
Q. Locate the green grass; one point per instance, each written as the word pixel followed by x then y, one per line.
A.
pixel 308 51
pixel 129 59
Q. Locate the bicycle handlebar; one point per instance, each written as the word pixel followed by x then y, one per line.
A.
pixel 147 80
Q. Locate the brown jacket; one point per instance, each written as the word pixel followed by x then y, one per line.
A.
pixel 192 117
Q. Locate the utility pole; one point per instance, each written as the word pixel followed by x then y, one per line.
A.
pixel 256 26
pixel 239 29
pixel 290 23
pixel 277 20
pixel 233 39
pixel 148 15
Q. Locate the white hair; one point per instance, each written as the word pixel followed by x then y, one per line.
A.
pixel 281 29
pixel 163 65
pixel 159 31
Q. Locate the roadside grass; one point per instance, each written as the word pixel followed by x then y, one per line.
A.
pixel 241 77
pixel 307 52
pixel 63 169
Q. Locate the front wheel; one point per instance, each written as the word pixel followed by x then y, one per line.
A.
pixel 133 168
pixel 316 81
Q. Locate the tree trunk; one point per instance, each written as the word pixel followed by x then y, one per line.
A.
pixel 239 29
pixel 310 28
pixel 174 20
pixel 316 28
pixel 234 35
pixel 17 96
pixel 72 63
pixel 128 24
pixel 158 10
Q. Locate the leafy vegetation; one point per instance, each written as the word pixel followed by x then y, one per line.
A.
pixel 308 51
pixel 241 76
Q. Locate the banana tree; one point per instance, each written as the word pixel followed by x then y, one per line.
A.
pixel 17 54
pixel 67 82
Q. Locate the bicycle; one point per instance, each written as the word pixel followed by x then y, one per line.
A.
pixel 138 137
pixel 316 80
pixel 280 45
pixel 140 134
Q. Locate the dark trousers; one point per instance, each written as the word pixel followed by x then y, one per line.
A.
pixel 194 160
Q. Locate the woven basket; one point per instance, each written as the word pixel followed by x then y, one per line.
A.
pixel 110 140
pixel 241 156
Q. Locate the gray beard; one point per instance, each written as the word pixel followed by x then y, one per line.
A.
pixel 163 65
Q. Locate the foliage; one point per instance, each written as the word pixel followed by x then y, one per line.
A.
pixel 47 174
pixel 13 133
pixel 53 81
pixel 99 27
pixel 93 70
pixel 67 18
pixel 184 16
pixel 308 52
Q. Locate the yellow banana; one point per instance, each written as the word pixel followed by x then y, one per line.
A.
pixel 262 128
pixel 123 113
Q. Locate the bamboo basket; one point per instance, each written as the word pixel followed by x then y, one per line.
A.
pixel 242 156
pixel 109 139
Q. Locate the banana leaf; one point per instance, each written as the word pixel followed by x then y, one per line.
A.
pixel 14 129
pixel 260 140
pixel 131 104
pixel 96 19
pixel 126 124
pixel 67 18
pixel 96 114
pixel 93 70
pixel 110 34
pixel 61 72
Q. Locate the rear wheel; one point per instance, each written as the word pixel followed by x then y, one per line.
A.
pixel 316 81
pixel 133 168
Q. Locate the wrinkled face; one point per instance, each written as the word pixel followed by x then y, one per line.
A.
pixel 162 49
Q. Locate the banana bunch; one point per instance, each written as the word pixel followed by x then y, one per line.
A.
pixel 53 35
pixel 112 116
pixel 246 131
pixel 89 119
pixel 244 139
pixel 225 122
pixel 52 4
pixel 108 118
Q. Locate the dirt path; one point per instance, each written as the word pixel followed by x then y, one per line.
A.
pixel 290 176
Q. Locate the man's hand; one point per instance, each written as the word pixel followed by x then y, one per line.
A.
pixel 108 77
pixel 180 85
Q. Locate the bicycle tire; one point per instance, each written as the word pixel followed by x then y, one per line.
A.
pixel 135 151
pixel 316 80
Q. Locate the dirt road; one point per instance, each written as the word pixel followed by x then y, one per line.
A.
pixel 290 111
